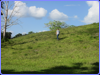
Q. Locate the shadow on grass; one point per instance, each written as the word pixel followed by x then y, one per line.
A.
pixel 22 43
pixel 76 69
pixel 60 38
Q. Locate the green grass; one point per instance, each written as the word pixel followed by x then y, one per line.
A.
pixel 76 52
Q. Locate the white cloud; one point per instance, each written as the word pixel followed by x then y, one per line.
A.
pixel 75 16
pixel 24 11
pixel 93 12
pixel 11 31
pixel 23 33
pixel 69 5
pixel 37 12
pixel 40 31
pixel 58 16
pixel 20 11
pixel 43 30
pixel 72 5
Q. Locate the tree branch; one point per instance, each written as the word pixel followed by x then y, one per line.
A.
pixel 3 14
pixel 11 5
pixel 5 2
pixel 13 11
pixel 9 20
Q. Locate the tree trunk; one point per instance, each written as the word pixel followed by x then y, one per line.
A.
pixel 4 33
pixel 6 12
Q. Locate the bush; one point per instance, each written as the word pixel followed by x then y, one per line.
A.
pixel 8 35
pixel 4 40
pixel 18 35
pixel 30 32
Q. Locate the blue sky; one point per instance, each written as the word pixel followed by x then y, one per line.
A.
pixel 35 13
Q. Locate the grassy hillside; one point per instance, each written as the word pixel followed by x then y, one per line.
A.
pixel 76 52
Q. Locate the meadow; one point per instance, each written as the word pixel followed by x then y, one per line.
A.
pixel 76 52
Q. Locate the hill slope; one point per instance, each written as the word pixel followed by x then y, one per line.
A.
pixel 76 52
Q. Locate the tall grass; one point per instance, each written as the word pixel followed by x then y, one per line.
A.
pixel 76 52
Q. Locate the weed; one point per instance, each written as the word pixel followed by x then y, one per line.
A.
pixel 29 47
pixel 25 54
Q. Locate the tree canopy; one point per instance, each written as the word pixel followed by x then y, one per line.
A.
pixel 56 25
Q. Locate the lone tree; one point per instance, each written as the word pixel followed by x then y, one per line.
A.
pixel 56 25
pixel 7 20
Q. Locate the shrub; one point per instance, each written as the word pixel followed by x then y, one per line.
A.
pixel 8 35
pixel 4 40
pixel 18 35
pixel 30 32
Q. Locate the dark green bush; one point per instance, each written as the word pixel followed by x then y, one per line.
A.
pixel 4 40
pixel 30 32
pixel 8 35
pixel 18 35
